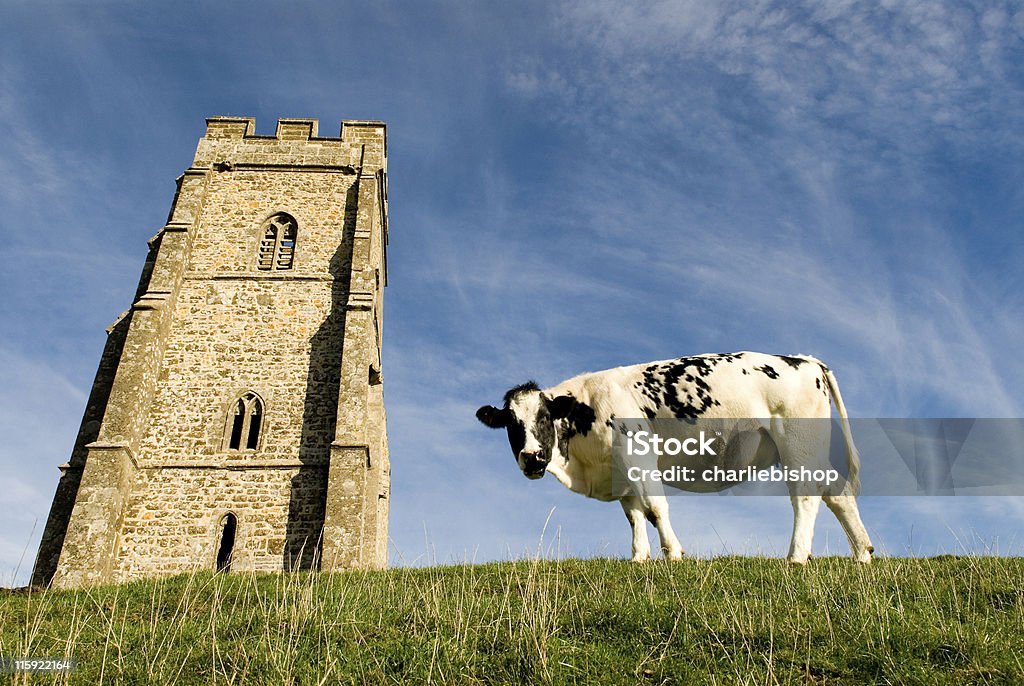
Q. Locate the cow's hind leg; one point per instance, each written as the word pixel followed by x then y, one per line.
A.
pixel 657 514
pixel 805 511
pixel 635 511
pixel 844 507
pixel 802 444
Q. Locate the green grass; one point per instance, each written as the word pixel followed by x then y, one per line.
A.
pixel 723 621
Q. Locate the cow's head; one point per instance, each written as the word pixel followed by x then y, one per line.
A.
pixel 529 417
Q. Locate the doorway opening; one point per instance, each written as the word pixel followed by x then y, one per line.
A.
pixel 228 524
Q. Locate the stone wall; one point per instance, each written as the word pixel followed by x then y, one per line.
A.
pixel 280 513
pixel 156 475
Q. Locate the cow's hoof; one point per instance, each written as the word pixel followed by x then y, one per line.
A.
pixel 798 561
pixel 640 559
pixel 865 556
pixel 674 555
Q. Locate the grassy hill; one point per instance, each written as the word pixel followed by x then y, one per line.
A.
pixel 723 621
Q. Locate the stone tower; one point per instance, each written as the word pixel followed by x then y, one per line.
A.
pixel 237 417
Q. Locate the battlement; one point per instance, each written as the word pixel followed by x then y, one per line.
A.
pixel 289 129
pixel 230 127
pixel 232 142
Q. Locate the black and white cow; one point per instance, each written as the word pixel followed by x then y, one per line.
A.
pixel 568 430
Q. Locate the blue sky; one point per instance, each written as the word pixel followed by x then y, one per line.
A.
pixel 573 186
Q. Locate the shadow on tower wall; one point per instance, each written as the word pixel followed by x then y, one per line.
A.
pixel 308 501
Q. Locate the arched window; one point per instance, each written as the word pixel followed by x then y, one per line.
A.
pixel 245 423
pixel 277 246
pixel 226 548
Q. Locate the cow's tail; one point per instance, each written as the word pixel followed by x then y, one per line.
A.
pixel 852 456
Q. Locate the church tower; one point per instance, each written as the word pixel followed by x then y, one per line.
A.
pixel 237 420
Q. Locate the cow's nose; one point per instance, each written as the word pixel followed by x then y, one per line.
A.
pixel 530 456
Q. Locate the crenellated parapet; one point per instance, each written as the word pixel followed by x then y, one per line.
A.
pixel 232 143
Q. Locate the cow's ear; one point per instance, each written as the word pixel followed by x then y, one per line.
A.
pixel 562 406
pixel 492 416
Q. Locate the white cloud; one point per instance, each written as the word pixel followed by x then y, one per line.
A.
pixel 39 414
pixel 902 73
pixel 797 113
pixel 640 181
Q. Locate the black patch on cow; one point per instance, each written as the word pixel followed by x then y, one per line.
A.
pixel 793 362
pixel 745 371
pixel 516 436
pixel 680 386
pixel 714 358
pixel 822 382
pixel 768 371
pixel 579 418
pixel 583 417
pixel 521 388
pixel 817 382
pixel 560 407
pixel 565 434
pixel 544 430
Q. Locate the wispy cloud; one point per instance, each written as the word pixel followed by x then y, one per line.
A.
pixel 39 414
pixel 796 194
pixel 777 177
pixel 574 186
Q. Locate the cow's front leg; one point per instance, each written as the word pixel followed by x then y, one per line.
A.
pixel 657 514
pixel 634 510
